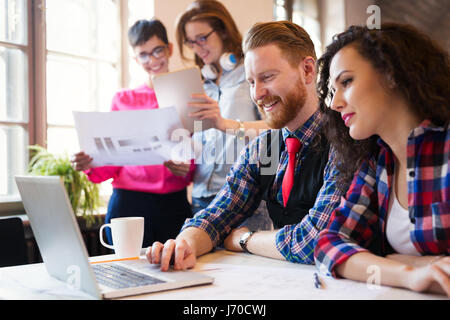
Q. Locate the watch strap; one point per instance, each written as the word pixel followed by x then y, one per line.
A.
pixel 244 240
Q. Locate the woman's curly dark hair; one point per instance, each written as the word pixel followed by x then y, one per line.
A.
pixel 418 68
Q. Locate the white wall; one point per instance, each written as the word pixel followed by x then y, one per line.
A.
pixel 337 15
pixel 245 13
pixel 356 11
pixel 332 19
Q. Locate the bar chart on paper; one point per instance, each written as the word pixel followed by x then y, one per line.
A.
pixel 141 137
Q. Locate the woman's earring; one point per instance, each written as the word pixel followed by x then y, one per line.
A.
pixel 391 82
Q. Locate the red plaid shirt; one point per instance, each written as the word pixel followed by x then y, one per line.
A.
pixel 359 223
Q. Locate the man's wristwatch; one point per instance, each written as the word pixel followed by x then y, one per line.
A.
pixel 244 239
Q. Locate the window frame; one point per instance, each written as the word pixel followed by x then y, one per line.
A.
pixel 36 52
pixel 288 7
pixel 29 49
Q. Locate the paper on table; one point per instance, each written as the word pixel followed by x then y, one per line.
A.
pixel 137 137
pixel 240 281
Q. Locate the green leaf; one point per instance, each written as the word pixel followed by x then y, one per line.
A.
pixel 84 195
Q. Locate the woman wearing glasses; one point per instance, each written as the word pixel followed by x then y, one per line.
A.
pixel 207 29
pixel 153 192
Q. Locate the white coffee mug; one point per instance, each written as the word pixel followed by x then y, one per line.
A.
pixel 127 236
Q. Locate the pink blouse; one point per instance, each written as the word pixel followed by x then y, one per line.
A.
pixel 154 179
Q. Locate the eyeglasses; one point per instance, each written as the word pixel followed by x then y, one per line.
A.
pixel 157 53
pixel 200 40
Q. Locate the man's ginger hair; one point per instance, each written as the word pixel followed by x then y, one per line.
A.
pixel 293 41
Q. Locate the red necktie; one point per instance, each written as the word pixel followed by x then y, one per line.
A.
pixel 293 145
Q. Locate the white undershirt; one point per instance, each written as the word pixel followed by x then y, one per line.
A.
pixel 398 227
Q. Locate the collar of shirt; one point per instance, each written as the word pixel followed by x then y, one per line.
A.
pixel 425 126
pixel 229 78
pixel 307 131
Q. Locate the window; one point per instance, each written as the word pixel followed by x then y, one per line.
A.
pixel 58 56
pixel 137 9
pixel 14 94
pixel 82 64
pixel 282 10
pixel 305 13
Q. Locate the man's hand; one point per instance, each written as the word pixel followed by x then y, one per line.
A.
pixel 181 252
pixel 231 242
pixel 176 252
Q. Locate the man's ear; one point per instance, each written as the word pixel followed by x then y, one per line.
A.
pixel 308 69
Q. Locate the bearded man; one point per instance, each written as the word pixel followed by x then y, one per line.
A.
pixel 290 166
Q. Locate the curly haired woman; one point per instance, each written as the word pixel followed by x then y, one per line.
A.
pixel 385 96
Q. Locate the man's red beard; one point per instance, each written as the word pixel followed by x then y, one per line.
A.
pixel 288 107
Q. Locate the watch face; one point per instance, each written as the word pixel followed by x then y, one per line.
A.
pixel 244 239
pixel 240 133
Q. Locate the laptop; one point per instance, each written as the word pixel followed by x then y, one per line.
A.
pixel 65 256
pixel 175 89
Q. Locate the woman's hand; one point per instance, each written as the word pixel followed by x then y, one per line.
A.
pixel 434 277
pixel 413 261
pixel 81 161
pixel 177 168
pixel 208 108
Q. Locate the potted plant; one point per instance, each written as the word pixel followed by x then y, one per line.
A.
pixel 83 194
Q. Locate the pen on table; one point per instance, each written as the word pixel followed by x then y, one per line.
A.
pixel 317 282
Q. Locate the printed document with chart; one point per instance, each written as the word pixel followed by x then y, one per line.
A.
pixel 138 137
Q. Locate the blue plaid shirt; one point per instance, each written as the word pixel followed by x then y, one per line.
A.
pixel 241 195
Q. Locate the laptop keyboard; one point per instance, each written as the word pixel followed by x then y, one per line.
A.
pixel 118 277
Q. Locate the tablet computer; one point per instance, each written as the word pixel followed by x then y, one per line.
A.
pixel 175 89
